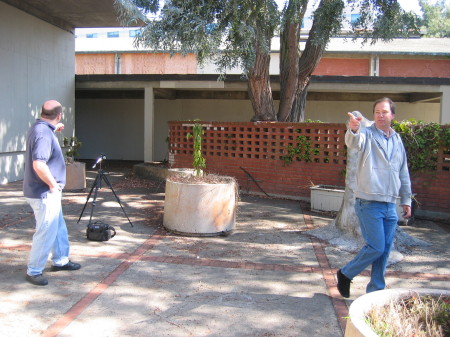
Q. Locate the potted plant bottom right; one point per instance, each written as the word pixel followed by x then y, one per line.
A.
pixel 366 319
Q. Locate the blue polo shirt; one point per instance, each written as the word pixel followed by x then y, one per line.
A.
pixel 42 145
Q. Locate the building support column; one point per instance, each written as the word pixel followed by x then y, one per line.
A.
pixel 374 65
pixel 149 123
pixel 445 104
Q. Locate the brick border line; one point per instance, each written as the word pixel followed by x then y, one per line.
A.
pixel 90 297
pixel 339 304
pixel 418 276
pixel 290 268
pixel 232 264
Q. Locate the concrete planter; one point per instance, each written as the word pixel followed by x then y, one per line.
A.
pixel 326 198
pixel 329 198
pixel 75 176
pixel 200 209
pixel 356 324
pixel 156 170
pixel 180 171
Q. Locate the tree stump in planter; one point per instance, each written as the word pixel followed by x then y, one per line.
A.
pixel 193 206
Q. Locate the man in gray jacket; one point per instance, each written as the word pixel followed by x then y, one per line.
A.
pixel 382 177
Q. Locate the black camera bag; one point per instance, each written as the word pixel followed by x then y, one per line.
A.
pixel 99 231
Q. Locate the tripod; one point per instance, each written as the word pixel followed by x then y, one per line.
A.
pixel 101 176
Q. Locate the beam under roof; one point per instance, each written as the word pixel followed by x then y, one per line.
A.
pixel 70 14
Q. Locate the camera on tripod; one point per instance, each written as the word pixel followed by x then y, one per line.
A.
pixel 99 160
pixel 101 177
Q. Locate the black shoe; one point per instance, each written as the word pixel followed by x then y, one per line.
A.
pixel 37 280
pixel 343 284
pixel 68 266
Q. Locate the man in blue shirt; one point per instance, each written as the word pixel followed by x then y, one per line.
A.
pixel 44 179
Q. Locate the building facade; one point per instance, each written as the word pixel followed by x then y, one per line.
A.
pixel 144 89
pixel 121 98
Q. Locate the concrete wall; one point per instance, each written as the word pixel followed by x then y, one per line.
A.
pixel 336 112
pixel 347 65
pixel 36 64
pixel 116 128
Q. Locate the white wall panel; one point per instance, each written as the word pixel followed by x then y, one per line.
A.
pixel 114 127
pixel 37 64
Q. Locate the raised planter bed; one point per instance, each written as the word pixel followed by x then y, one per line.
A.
pixel 199 208
pixel 328 198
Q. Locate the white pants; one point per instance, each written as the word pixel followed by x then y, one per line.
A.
pixel 51 233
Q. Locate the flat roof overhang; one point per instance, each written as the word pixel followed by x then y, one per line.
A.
pixel 70 14
pixel 322 88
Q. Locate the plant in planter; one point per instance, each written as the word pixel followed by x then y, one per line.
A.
pixel 199 162
pixel 375 314
pixel 413 315
pixel 75 170
pixel 200 204
pixel 73 145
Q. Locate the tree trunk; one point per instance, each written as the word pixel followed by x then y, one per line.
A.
pixel 298 108
pixel 309 60
pixel 289 57
pixel 346 219
pixel 259 88
pixel 318 38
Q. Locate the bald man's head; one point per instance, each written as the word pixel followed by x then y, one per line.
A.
pixel 51 109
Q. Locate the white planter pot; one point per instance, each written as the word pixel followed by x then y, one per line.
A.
pixel 200 209
pixel 75 176
pixel 326 198
pixel 356 324
pixel 329 198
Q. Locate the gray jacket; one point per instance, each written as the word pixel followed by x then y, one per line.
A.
pixel 379 178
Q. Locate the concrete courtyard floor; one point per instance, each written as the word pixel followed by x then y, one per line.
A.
pixel 269 278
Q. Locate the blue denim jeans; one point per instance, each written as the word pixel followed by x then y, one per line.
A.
pixel 378 222
pixel 50 235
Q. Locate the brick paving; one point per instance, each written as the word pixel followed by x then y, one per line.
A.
pixel 269 259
